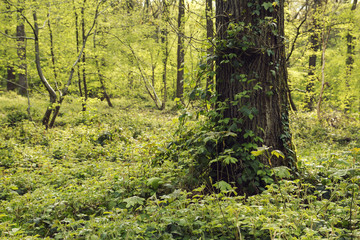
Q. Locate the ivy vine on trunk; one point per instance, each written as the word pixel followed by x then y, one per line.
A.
pixel 251 83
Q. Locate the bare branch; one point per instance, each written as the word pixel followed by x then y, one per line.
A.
pixel 296 37
pixel 65 89
pixel 16 37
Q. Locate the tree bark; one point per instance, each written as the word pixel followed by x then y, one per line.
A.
pixel 180 51
pixel 164 41
pixel 83 60
pixel 210 50
pixel 21 52
pixel 101 77
pixel 314 45
pixel 77 48
pixel 251 78
pixel 52 94
pixel 350 42
pixel 10 79
pixel 324 45
pixel 52 54
pixel 10 71
pixel 52 111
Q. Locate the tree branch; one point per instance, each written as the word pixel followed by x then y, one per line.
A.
pixel 65 89
pixel 16 37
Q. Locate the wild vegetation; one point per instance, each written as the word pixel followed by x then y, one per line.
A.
pixel 179 120
pixel 101 174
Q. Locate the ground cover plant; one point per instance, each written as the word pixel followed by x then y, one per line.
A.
pixel 104 174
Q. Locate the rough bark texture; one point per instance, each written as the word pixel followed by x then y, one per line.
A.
pixel 265 63
pixel 180 51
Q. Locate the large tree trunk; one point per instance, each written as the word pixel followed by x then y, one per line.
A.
pixel 180 51
pixel 21 51
pixel 251 79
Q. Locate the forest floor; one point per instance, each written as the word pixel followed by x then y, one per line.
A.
pixel 98 175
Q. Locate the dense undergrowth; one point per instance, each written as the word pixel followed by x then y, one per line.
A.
pixel 98 175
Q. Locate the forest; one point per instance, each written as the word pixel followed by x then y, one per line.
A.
pixel 174 119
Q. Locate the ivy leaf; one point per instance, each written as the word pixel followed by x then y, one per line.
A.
pixel 267 5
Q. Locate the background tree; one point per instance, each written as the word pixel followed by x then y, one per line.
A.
pixel 180 51
pixel 314 46
pixel 54 98
pixel 209 37
pixel 21 50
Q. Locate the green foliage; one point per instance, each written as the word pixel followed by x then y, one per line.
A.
pixel 63 184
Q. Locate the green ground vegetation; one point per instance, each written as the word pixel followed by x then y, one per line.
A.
pixel 104 174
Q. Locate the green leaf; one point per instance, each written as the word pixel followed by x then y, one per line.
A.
pixel 229 159
pixel 223 186
pixel 339 173
pixel 267 5
pixel 282 172
pixel 154 182
pixel 133 201
pixel 278 154
pixel 259 151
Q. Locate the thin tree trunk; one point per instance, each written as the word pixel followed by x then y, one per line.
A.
pixel 324 45
pixel 10 79
pixel 210 50
pixel 164 41
pixel 98 67
pixel 314 41
pixel 180 51
pixel 165 60
pixel 52 54
pixel 10 72
pixel 83 56
pixel 48 120
pixel 77 48
pixel 21 51
pixel 350 58
pixel 52 93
